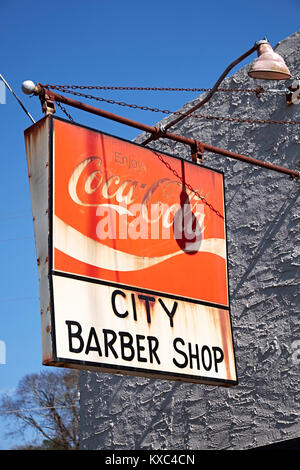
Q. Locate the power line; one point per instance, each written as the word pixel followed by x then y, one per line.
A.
pixel 34 409
pixel 17 98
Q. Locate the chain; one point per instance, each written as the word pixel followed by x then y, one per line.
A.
pixel 187 185
pixel 65 111
pixel 178 113
pixel 257 90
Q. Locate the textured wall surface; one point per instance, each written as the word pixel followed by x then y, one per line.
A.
pixel 119 412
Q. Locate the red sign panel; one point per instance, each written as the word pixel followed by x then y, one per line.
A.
pixel 129 215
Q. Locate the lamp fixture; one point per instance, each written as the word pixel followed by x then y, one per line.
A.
pixel 293 93
pixel 269 65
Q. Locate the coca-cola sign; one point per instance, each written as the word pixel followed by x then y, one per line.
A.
pixel 139 239
pixel 120 214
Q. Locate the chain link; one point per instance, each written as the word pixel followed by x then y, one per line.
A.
pixel 260 121
pixel 178 113
pixel 170 168
pixel 257 90
pixel 187 185
pixel 64 111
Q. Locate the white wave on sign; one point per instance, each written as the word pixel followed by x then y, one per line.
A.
pixel 87 250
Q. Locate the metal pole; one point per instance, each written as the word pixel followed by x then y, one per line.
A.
pixel 210 94
pixel 157 133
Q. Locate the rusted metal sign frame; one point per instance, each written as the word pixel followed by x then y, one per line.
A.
pixel 48 99
pixel 43 224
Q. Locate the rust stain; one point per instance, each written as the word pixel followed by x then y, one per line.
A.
pixel 225 329
pixel 47 360
pixel 32 136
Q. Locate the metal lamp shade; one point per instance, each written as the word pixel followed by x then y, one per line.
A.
pixel 269 65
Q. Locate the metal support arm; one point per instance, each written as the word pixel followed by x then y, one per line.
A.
pixel 197 147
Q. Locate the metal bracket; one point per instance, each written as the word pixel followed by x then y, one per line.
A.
pixel 293 95
pixel 197 150
pixel 160 131
pixel 47 99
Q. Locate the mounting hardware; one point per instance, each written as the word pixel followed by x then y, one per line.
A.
pixel 293 93
pixel 47 98
pixel 197 150
pixel 159 131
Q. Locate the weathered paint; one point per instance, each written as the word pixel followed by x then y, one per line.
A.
pixel 37 150
pixel 89 313
pixel 75 172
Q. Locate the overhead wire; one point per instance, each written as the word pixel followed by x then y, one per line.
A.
pixel 17 98
pixel 35 409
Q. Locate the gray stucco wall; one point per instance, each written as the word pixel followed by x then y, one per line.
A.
pixel 119 412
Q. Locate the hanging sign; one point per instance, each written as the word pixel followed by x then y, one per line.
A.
pixel 131 247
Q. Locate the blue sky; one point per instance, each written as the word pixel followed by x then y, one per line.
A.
pixel 112 43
